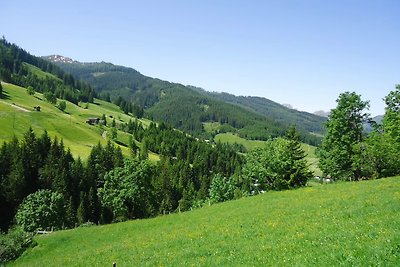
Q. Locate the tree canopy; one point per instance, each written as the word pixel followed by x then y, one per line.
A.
pixel 344 133
pixel 279 165
pixel 41 210
pixel 127 189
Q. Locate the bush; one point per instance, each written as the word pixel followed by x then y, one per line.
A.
pixel 14 243
pixel 50 97
pixel 30 90
pixel 41 210
pixel 221 189
pixel 279 165
pixel 62 105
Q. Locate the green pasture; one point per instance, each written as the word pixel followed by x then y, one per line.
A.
pixel 344 224
pixel 17 115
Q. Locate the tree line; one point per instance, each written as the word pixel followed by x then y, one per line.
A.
pixel 108 187
pixel 14 69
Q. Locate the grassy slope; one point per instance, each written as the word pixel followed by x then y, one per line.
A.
pixel 251 144
pixel 39 73
pixel 350 224
pixel 70 126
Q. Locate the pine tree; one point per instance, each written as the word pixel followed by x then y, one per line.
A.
pixel 133 147
pixel 82 212
pixel 144 151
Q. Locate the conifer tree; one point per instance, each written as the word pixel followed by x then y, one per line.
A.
pixel 82 212
pixel 144 151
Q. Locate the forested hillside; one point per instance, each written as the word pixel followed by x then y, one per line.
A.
pixel 270 109
pixel 19 67
pixel 188 109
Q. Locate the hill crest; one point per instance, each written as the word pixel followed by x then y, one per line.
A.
pixel 59 58
pixel 265 118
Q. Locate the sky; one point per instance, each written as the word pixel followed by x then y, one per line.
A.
pixel 302 53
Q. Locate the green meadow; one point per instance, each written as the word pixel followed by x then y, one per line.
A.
pixel 17 115
pixel 342 224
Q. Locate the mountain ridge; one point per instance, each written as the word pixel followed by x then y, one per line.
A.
pixel 152 94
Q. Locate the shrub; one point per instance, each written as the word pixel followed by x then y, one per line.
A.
pixel 14 243
pixel 62 105
pixel 40 210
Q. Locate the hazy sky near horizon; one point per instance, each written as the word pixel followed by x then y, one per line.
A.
pixel 303 53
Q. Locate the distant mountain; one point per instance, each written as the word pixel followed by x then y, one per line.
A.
pixel 61 59
pixel 377 119
pixel 305 121
pixel 322 113
pixel 188 108
pixel 21 68
pixel 288 106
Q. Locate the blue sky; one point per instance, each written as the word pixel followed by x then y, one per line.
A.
pixel 304 53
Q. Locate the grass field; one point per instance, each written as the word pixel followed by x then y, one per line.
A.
pixel 344 224
pixel 17 115
pixel 252 144
pixel 39 73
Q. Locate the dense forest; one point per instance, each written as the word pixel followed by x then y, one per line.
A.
pixel 16 66
pixel 182 176
pixel 303 120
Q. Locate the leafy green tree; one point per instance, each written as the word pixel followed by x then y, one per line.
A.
pixel 62 105
pixel 30 90
pixel 391 120
pixel 340 147
pixel 41 210
pixel 221 189
pixel 379 153
pixel 378 156
pixel 127 189
pixel 279 165
pixel 14 243
pixel 50 97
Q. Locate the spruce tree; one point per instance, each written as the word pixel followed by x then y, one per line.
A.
pixel 82 212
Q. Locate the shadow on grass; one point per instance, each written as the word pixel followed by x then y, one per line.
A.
pixel 5 95
pixel 121 143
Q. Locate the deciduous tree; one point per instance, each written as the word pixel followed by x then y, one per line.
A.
pixel 279 165
pixel 42 209
pixel 127 189
pixel 344 134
